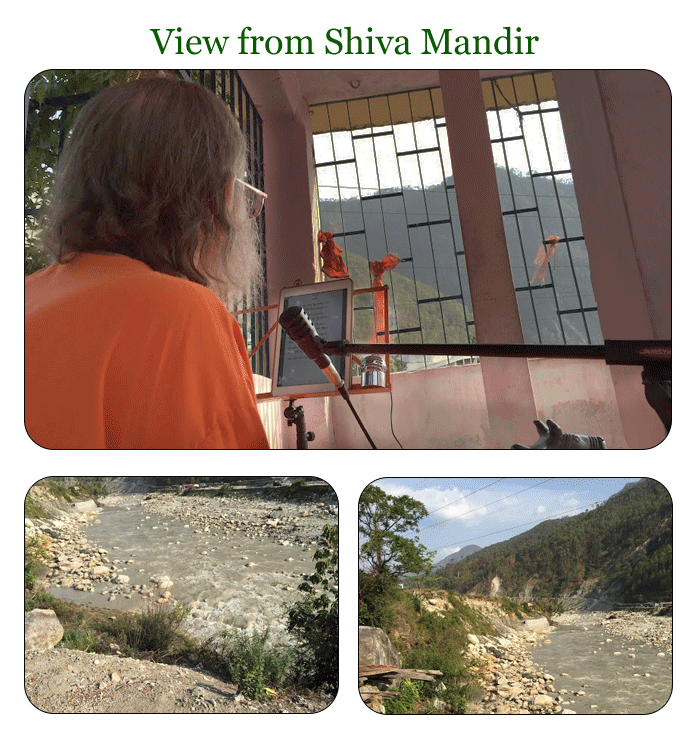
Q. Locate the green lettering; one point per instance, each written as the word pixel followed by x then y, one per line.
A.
pixel 163 46
pixel 444 38
pixel 196 41
pixel 216 42
pixel 333 40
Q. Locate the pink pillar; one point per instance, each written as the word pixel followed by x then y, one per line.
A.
pixel 290 221
pixel 509 393
pixel 289 178
pixel 617 128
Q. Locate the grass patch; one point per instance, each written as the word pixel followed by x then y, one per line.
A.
pixel 435 641
pixel 405 701
pixel 153 634
pixel 33 509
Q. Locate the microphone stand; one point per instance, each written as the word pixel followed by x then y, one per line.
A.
pixel 295 415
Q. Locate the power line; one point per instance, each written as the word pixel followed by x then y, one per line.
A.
pixel 430 513
pixel 492 503
pixel 559 513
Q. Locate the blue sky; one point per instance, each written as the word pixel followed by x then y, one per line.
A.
pixel 483 511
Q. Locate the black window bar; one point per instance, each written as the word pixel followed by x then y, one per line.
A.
pixel 57 113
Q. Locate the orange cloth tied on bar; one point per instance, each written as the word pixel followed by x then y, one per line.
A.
pixel 333 263
pixel 378 268
pixel 544 256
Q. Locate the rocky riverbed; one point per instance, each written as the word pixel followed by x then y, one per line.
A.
pixel 510 681
pixel 234 561
pixel 603 662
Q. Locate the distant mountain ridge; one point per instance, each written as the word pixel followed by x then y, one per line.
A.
pixel 457 556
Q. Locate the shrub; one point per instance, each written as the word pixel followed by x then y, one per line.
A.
pixel 151 632
pixel 314 619
pixel 405 700
pixel 377 596
pixel 253 664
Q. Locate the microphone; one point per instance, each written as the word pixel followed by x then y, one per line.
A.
pixel 296 323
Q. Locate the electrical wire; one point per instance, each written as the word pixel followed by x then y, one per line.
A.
pixel 559 513
pixel 430 513
pixel 492 503
pixel 391 427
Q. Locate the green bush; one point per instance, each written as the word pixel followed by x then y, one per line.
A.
pixel 254 664
pixel 405 700
pixel 314 620
pixel 377 597
pixel 152 632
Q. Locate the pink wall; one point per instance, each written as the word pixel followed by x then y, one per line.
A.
pixel 638 112
pixel 445 408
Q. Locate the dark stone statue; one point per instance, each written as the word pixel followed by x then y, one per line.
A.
pixel 551 437
pixel 658 389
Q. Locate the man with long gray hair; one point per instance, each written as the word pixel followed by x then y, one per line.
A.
pixel 129 341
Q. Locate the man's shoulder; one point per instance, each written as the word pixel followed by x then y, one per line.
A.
pixel 172 292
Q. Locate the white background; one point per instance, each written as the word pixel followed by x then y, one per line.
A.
pixel 42 35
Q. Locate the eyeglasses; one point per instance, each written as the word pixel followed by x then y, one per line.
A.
pixel 255 198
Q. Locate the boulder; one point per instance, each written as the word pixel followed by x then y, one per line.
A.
pixel 536 624
pixel 42 629
pixel 376 648
pixel 83 507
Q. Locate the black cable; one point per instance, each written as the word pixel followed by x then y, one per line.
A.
pixel 492 483
pixel 492 503
pixel 391 427
pixel 345 395
pixel 502 531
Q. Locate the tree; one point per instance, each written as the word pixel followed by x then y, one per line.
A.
pixel 383 520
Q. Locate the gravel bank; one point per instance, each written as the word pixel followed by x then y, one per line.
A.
pixel 69 681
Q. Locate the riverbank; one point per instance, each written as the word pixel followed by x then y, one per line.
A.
pixel 72 681
pixel 509 682
pixel 602 662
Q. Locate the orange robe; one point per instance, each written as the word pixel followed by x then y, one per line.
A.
pixel 119 356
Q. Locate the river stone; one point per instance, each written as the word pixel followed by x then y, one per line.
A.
pixel 42 629
pixel 84 506
pixel 536 624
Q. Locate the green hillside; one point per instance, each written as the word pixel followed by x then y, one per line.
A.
pixel 624 546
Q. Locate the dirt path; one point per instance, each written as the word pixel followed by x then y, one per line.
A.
pixel 70 681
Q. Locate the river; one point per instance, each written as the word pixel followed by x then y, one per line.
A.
pixel 617 675
pixel 236 563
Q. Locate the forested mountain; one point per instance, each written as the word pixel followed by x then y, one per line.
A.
pixel 622 549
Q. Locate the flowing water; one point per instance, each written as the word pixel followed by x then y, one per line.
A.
pixel 226 577
pixel 618 675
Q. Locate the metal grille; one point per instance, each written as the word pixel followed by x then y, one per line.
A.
pixel 229 87
pixel 538 200
pixel 52 102
pixel 385 186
